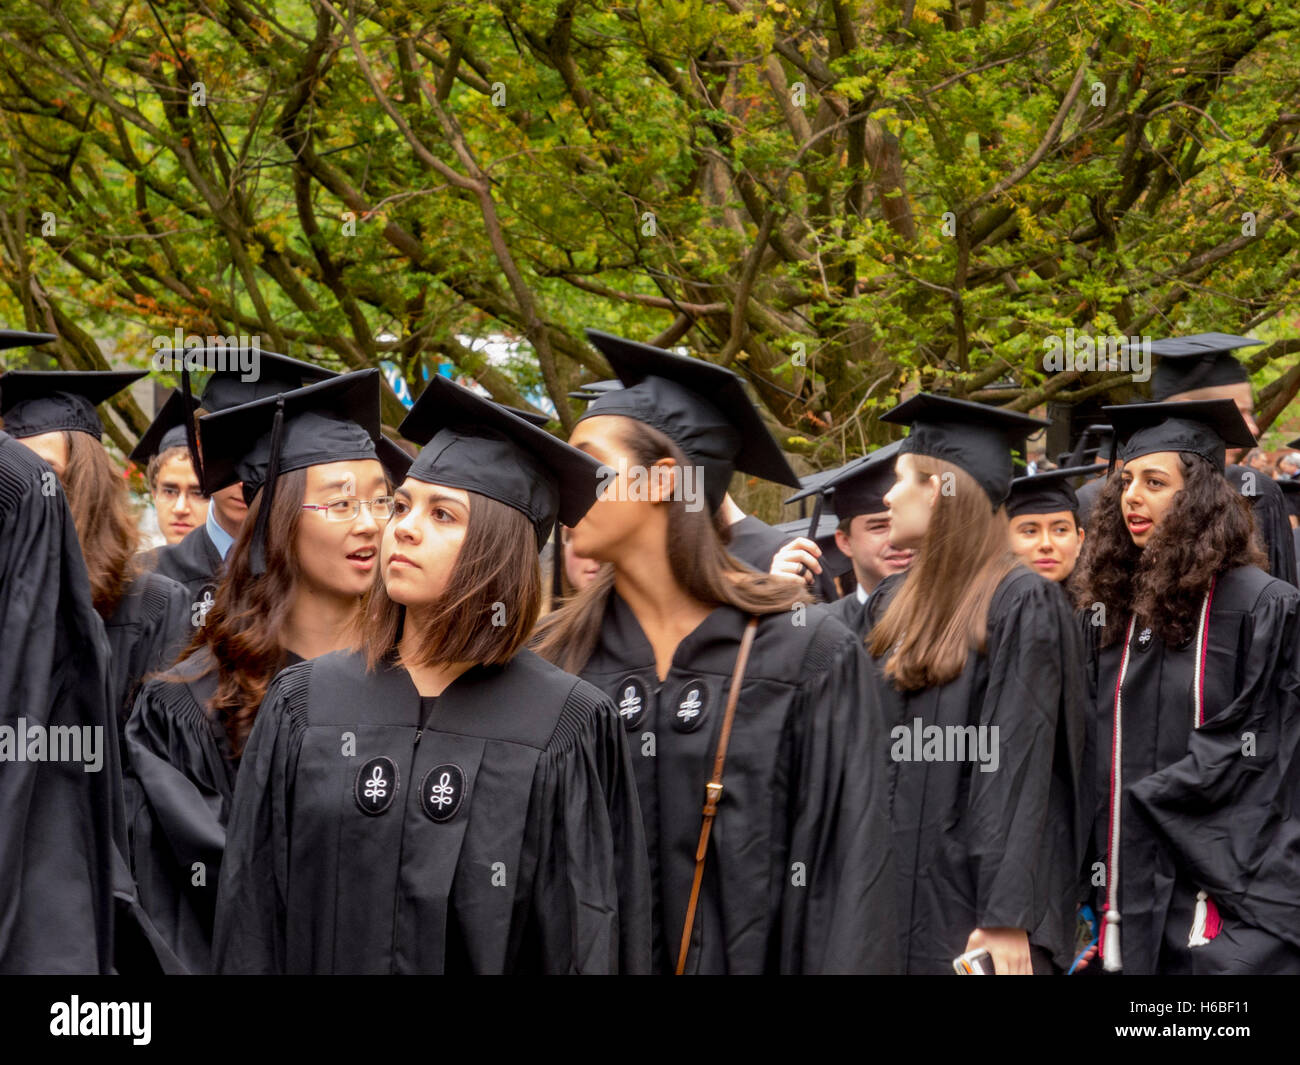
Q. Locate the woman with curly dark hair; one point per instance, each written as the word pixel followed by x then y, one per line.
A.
pixel 1195 684
pixel 295 578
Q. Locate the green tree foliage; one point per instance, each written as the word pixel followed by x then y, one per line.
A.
pixel 837 199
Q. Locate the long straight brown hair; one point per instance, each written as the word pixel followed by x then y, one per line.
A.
pixel 242 629
pixel 490 603
pixel 699 562
pixel 101 512
pixel 940 614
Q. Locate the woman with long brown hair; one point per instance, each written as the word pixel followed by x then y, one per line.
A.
pixel 980 669
pixel 766 815
pixel 442 800
pixel 1194 673
pixel 318 499
pixel 144 614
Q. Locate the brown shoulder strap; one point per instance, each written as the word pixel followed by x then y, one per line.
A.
pixel 713 790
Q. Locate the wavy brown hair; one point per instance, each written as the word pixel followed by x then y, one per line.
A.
pixel 490 603
pixel 697 556
pixel 101 512
pixel 940 613
pixel 1207 530
pixel 242 629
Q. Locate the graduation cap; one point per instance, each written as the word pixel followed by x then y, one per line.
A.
pixel 1199 361
pixel 49 401
pixel 1293 443
pixel 1086 455
pixel 268 374
pixel 701 407
pixel 18 338
pixel 475 444
pixel 330 421
pixel 1204 427
pixel 857 487
pixel 1046 493
pixel 538 420
pixel 394 458
pixel 167 430
pixel 593 389
pixel 977 438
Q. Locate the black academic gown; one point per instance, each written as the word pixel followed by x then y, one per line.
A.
pixel 756 543
pixel 798 872
pixel 57 822
pixel 1000 848
pixel 183 771
pixel 146 633
pixel 194 563
pixel 852 612
pixel 1269 507
pixel 1197 813
pixel 493 829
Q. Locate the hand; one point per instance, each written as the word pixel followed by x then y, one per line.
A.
pixel 1087 956
pixel 803 552
pixel 1009 948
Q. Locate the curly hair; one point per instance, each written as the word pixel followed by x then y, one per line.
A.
pixel 242 630
pixel 1208 530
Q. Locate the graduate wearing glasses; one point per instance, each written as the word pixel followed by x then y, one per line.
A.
pixel 318 499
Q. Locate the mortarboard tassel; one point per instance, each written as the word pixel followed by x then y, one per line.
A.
pixel 816 520
pixel 191 438
pixel 257 550
pixel 1206 921
pixel 557 566
pixel 1110 943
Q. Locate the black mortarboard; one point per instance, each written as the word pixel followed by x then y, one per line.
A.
pixel 267 373
pixel 395 459
pixel 1086 455
pixel 1290 487
pixel 972 436
pixel 1293 443
pixel 538 420
pixel 475 444
pixel 330 421
pixel 167 430
pixel 18 338
pixel 701 407
pixel 1204 427
pixel 49 401
pixel 1199 361
pixel 1047 493
pixel 857 487
pixel 592 389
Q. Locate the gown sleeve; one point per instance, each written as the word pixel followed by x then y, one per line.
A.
pixel 1026 819
pixel 179 804
pixel 590 906
pixel 250 927
pixel 838 893
pixel 1229 809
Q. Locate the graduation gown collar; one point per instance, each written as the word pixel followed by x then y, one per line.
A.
pixel 724 626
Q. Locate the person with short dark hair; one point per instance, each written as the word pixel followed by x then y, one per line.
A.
pixel 178 499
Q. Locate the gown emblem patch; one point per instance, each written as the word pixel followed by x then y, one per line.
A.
pixel 441 791
pixel 692 706
pixel 631 702
pixel 376 785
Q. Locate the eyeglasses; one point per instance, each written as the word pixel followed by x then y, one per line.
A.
pixel 381 508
